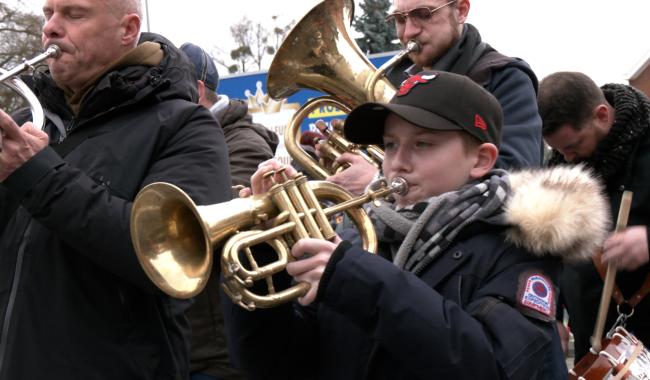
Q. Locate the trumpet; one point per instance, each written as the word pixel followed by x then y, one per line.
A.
pixel 174 238
pixel 320 54
pixel 10 79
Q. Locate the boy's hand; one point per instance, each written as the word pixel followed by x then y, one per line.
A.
pixel 355 178
pixel 259 184
pixel 627 249
pixel 18 145
pixel 313 256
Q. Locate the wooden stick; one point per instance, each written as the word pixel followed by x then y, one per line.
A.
pixel 610 277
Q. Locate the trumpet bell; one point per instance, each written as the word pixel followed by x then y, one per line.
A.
pixel 174 238
pixel 320 54
pixel 171 240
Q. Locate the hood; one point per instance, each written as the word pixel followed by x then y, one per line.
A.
pixel 560 211
pixel 236 115
pixel 171 79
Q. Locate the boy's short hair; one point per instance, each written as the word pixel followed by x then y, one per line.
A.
pixel 435 100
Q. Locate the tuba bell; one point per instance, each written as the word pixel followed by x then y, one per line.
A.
pixel 320 54
pixel 10 79
pixel 174 238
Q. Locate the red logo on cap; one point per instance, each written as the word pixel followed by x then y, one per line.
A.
pixel 411 82
pixel 479 122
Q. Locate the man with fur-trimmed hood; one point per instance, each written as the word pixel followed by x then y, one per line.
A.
pixel 607 129
pixel 464 282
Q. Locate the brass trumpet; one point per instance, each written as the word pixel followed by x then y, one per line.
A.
pixel 320 54
pixel 174 238
pixel 10 79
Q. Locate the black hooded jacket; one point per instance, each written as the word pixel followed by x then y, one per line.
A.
pixel 74 300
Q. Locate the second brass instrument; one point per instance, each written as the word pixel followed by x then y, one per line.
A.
pixel 320 54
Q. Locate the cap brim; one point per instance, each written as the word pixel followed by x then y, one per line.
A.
pixel 365 124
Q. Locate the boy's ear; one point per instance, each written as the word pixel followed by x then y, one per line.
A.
pixel 486 157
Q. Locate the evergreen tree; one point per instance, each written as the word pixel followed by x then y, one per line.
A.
pixel 377 33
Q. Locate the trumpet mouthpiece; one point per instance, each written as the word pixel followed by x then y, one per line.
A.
pixel 399 186
pixel 413 46
pixel 53 51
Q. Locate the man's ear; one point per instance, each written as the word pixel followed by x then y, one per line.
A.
pixel 486 157
pixel 201 87
pixel 131 29
pixel 463 10
pixel 602 113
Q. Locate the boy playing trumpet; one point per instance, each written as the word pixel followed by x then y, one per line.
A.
pixel 464 284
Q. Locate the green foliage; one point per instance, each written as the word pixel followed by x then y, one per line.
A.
pixel 378 35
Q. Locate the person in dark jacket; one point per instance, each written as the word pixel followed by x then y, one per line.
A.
pixel 249 144
pixel 74 301
pixel 605 128
pixel 463 286
pixel 447 43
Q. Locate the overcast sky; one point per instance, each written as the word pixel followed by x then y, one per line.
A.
pixel 606 39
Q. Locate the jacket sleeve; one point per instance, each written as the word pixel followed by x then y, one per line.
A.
pixel 94 220
pixel 275 343
pixel 430 335
pixel 521 136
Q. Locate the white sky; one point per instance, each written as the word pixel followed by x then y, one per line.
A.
pixel 606 39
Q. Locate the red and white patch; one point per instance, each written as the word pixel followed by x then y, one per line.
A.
pixel 538 295
pixel 412 81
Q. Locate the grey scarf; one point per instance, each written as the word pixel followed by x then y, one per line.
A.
pixel 418 233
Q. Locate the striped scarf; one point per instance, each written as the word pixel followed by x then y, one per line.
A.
pixel 418 233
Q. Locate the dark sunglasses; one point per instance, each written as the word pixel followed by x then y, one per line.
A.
pixel 418 15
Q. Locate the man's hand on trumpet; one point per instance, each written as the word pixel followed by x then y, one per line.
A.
pixel 360 172
pixel 18 145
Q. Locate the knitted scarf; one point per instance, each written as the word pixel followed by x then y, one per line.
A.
pixel 631 121
pixel 418 233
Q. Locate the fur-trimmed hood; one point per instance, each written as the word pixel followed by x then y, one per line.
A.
pixel 560 211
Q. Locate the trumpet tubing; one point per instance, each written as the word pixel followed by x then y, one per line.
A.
pixel 10 79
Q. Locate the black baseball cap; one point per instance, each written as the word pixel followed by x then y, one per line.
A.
pixel 436 100
pixel 206 70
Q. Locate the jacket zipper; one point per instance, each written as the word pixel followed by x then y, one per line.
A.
pixel 12 296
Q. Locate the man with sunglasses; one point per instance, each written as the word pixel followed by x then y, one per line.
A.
pixel 447 43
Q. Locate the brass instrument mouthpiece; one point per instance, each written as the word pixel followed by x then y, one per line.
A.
pixel 53 51
pixel 413 46
pixel 399 186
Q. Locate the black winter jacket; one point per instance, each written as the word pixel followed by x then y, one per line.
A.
pixel 249 143
pixel 482 309
pixel 582 285
pixel 457 320
pixel 74 301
